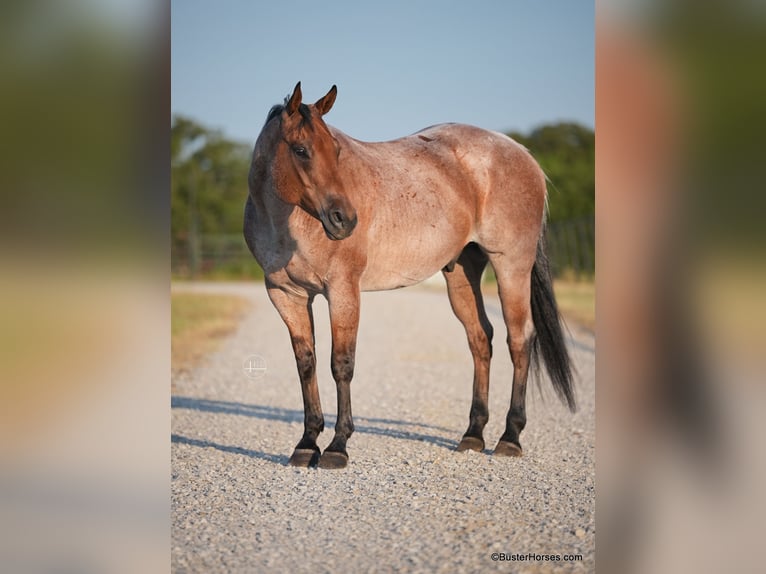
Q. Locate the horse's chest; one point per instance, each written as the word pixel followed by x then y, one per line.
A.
pixel 288 260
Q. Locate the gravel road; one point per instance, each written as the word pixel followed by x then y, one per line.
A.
pixel 407 502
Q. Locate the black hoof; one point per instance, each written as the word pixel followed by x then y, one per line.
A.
pixel 304 457
pixel 470 443
pixel 505 448
pixel 333 459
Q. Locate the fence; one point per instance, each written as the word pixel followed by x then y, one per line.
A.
pixel 570 244
pixel 213 256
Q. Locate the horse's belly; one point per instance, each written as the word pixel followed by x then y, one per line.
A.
pixel 409 267
pixel 414 249
pixel 379 280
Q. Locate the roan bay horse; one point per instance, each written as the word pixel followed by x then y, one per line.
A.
pixel 332 215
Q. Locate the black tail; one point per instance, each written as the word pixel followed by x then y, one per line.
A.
pixel 549 340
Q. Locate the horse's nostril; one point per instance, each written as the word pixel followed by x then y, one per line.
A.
pixel 336 217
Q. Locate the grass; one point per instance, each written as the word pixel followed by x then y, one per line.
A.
pixel 198 324
pixel 577 301
pixel 241 269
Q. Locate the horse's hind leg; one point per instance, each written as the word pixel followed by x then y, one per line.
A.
pixel 513 280
pixel 297 314
pixel 464 288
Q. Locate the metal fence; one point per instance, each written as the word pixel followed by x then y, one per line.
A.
pixel 571 249
pixel 213 255
pixel 571 246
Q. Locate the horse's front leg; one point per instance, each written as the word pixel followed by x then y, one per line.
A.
pixel 344 320
pixel 297 314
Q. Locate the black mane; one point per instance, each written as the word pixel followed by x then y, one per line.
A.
pixel 274 112
pixel 277 109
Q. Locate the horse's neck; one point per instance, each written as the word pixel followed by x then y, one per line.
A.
pixel 270 211
pixel 367 163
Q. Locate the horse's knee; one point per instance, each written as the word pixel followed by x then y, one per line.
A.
pixel 306 361
pixel 343 367
pixel 480 347
pixel 480 343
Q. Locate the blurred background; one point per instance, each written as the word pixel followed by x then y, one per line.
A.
pixel 84 306
pixel 680 251
pixel 86 227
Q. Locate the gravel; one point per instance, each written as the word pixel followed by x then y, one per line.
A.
pixel 407 501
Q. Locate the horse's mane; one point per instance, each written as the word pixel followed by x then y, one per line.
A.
pixel 277 109
pixel 274 112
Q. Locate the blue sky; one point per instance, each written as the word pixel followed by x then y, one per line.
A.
pixel 399 65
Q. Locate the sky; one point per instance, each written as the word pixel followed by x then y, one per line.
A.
pixel 400 65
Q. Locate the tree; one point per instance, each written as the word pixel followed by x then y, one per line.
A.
pixel 208 188
pixel 566 152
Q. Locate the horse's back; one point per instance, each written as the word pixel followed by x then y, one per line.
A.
pixel 467 138
pixel 492 159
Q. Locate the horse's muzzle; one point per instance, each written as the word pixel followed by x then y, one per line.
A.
pixel 338 222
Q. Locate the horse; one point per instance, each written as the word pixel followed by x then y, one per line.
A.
pixel 328 214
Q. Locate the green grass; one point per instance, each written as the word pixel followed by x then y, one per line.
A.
pixel 242 269
pixel 577 301
pixel 198 324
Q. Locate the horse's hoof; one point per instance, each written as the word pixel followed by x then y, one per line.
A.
pixel 333 459
pixel 470 443
pixel 304 457
pixel 505 448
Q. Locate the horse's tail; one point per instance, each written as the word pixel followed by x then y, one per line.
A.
pixel 549 338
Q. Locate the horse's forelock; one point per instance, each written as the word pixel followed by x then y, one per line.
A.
pixel 303 110
pixel 277 109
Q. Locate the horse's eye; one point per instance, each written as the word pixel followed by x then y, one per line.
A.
pixel 301 152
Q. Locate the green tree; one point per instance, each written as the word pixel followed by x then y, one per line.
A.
pixel 208 188
pixel 566 152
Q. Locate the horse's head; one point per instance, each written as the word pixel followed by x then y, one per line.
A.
pixel 304 162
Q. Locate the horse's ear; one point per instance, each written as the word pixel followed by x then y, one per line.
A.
pixel 324 104
pixel 295 100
